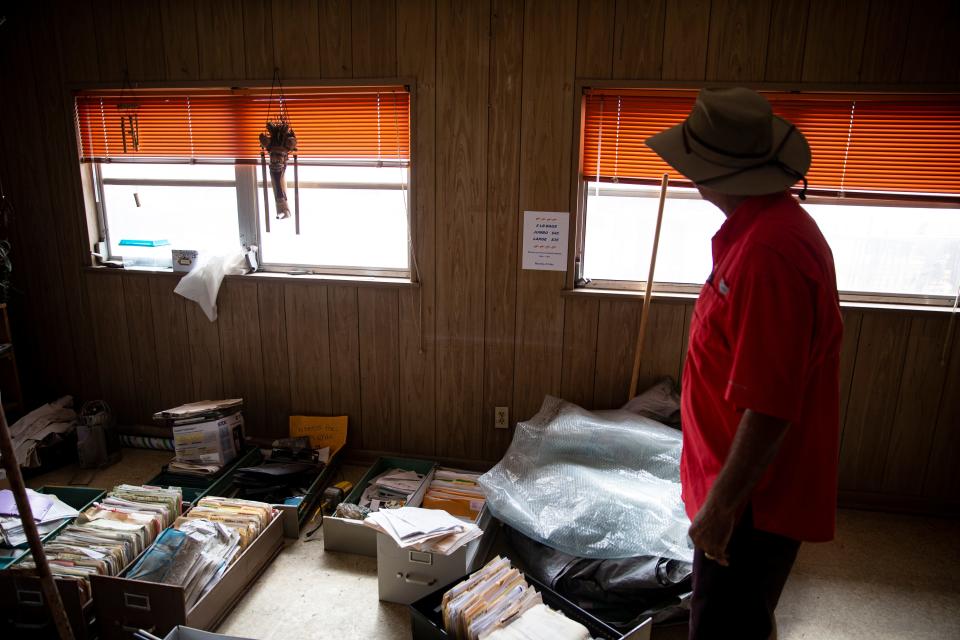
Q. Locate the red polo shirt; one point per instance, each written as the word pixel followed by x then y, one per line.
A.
pixel 765 335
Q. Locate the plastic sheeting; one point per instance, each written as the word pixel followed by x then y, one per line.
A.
pixel 593 484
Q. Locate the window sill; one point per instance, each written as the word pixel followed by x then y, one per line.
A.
pixel 686 298
pixel 283 278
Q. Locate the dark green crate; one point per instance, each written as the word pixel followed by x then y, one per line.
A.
pixel 195 488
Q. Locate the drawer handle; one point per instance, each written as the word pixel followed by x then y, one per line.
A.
pixel 421 557
pixel 136 601
pixel 407 577
pixel 29 597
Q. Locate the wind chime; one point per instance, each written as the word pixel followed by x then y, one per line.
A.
pixel 279 141
pixel 129 120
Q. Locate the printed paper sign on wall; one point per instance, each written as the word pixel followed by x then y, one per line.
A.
pixel 545 240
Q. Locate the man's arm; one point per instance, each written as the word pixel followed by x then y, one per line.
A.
pixel 756 443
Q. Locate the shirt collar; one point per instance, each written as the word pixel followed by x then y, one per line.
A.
pixel 738 222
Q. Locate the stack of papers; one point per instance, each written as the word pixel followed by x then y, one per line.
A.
pixel 200 470
pixel 49 512
pixel 391 489
pixel 497 603
pixel 424 529
pixel 247 517
pixel 201 545
pixel 202 411
pixel 195 555
pixel 111 534
pixel 456 492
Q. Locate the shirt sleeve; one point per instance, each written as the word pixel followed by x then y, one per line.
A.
pixel 772 320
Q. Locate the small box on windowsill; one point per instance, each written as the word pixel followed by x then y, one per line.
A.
pixel 184 260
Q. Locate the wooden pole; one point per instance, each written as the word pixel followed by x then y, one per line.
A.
pixel 49 587
pixel 645 312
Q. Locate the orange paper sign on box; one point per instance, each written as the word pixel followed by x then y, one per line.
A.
pixel 323 431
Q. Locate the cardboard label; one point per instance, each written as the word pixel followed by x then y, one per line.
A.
pixel 323 431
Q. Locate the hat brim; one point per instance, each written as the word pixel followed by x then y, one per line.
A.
pixel 762 180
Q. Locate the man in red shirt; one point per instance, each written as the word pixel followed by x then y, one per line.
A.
pixel 760 393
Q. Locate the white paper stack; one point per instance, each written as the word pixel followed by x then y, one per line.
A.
pixel 424 529
pixel 56 513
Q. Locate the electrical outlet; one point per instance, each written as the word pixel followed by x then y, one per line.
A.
pixel 501 417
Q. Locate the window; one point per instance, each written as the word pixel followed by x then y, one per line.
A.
pixel 884 189
pixel 179 170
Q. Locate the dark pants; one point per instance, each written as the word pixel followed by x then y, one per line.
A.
pixel 738 601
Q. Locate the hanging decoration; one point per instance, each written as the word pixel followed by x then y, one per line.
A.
pixel 279 141
pixel 129 119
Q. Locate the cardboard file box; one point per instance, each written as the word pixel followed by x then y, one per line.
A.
pixel 426 616
pixel 404 575
pixel 214 442
pixel 123 606
pixel 352 536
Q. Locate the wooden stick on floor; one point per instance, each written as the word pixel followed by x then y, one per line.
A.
pixel 645 312
pixel 50 592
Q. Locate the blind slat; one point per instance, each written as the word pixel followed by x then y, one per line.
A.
pixel 364 123
pixel 875 144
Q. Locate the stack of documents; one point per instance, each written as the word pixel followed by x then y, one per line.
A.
pixel 247 517
pixel 111 534
pixel 424 529
pixel 201 545
pixel 456 492
pixel 391 489
pixel 497 603
pixel 49 512
pixel 200 470
pixel 195 554
pixel 202 411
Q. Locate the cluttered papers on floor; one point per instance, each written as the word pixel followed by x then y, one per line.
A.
pixel 391 489
pixel 108 536
pixel 496 602
pixel 424 529
pixel 48 510
pixel 200 547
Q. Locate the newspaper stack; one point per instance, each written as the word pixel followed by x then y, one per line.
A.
pixel 496 603
pixel 111 534
pixel 201 546
pixel 424 529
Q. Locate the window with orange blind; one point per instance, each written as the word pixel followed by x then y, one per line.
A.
pixel 179 169
pixel 884 186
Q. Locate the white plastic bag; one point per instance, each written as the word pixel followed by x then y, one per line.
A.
pixel 602 484
pixel 203 283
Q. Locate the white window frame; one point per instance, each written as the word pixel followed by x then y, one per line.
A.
pixel 248 186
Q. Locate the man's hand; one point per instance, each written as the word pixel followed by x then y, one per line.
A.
pixel 711 530
pixel 754 447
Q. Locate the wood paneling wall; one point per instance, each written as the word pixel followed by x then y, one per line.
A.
pixel 419 370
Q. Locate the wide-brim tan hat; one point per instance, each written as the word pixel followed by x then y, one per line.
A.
pixel 732 142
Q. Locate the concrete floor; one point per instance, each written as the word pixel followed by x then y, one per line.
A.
pixel 885 576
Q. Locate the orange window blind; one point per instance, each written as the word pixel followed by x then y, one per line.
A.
pixel 871 144
pixel 355 125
